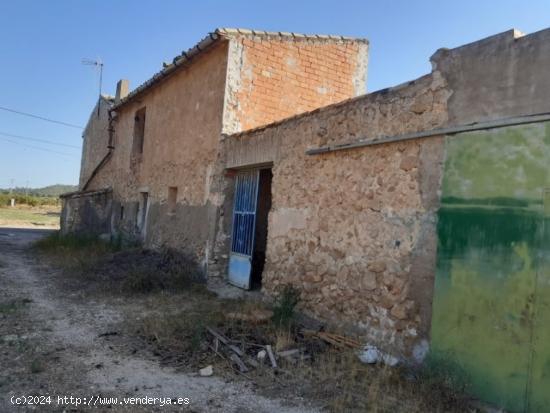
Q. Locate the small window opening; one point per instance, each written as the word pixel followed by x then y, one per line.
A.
pixel 139 132
pixel 121 213
pixel 172 199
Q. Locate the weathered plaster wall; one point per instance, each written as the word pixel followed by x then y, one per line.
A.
pixel 95 140
pixel 87 213
pixel 182 130
pixel 500 76
pixel 271 77
pixel 355 230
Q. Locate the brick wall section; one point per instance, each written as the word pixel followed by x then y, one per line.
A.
pixel 282 77
pixel 355 230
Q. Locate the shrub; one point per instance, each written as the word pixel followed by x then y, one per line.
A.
pixel 31 200
pixel 144 271
pixel 283 311
pixel 79 253
pixel 59 242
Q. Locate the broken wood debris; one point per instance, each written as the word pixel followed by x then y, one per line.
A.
pixel 256 316
pixel 289 353
pixel 271 356
pixel 231 365
pixel 224 340
pixel 336 340
pixel 241 361
pixel 237 356
pixel 238 362
pixel 250 360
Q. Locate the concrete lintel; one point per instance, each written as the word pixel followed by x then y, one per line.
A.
pixel 243 153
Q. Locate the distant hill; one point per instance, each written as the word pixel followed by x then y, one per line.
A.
pixel 54 190
pixel 51 190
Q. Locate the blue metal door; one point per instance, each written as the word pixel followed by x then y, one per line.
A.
pixel 244 225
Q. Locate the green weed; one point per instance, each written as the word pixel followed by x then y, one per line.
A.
pixel 283 311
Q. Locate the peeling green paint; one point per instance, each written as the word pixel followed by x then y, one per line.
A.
pixel 491 310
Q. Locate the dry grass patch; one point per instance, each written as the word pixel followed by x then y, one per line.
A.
pixel 176 309
pixel 333 377
pixel 115 268
pixel 30 216
pixel 175 326
pixel 347 385
pixel 74 253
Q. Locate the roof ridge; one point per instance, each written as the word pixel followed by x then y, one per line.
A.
pixel 252 32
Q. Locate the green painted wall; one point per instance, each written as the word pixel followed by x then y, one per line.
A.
pixel 491 310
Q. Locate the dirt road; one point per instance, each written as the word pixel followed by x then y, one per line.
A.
pixel 57 344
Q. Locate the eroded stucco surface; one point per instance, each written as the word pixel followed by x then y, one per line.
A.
pixel 182 130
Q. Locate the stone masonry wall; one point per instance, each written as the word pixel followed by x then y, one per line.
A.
pixel 355 230
pixel 272 77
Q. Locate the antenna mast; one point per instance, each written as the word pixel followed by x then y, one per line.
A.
pixel 99 64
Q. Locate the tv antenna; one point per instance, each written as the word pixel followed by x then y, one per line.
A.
pixel 98 64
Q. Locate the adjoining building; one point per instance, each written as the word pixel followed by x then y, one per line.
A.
pixel 417 216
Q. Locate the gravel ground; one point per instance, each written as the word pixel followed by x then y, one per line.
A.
pixel 54 343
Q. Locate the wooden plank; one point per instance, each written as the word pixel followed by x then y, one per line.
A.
pixel 334 339
pixel 339 341
pixel 225 341
pixel 288 353
pixel 237 360
pixel 271 356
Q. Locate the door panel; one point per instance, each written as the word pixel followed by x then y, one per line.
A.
pixel 539 383
pixel 244 223
pixel 491 306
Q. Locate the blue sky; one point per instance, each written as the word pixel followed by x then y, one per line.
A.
pixel 43 43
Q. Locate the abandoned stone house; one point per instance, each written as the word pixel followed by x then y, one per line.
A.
pixel 416 216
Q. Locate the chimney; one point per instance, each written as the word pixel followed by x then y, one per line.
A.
pixel 122 87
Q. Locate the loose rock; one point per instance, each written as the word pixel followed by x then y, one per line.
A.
pixel 207 371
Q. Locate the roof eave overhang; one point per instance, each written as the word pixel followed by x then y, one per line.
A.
pixel 182 60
